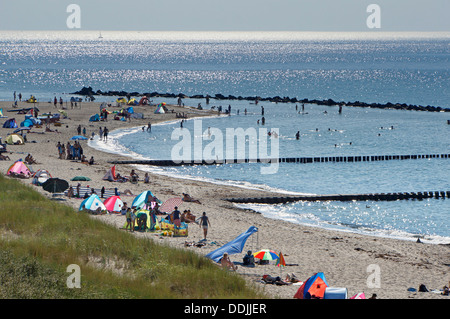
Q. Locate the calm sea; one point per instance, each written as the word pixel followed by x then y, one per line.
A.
pixel 369 67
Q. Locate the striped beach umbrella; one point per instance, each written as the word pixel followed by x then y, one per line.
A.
pixel 170 204
pixel 266 254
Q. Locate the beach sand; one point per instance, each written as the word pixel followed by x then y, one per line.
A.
pixel 348 260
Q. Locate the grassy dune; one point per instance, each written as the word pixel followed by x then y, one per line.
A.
pixel 40 238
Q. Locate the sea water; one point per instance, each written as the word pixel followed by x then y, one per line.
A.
pixel 369 67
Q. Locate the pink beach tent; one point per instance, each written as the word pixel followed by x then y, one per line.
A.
pixel 19 167
pixel 359 296
pixel 113 204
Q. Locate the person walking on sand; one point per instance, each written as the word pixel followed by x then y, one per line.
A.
pixel 204 223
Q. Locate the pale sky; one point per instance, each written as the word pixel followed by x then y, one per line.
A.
pixel 226 15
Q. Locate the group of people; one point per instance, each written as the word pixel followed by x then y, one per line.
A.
pixel 103 133
pixel 73 152
pixel 55 102
pixel 138 218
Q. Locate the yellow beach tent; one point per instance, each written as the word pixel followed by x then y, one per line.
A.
pixel 14 139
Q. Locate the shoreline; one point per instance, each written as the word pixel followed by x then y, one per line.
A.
pixel 343 257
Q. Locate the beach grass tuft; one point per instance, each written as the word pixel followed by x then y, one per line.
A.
pixel 40 238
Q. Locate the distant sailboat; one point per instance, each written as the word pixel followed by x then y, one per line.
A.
pixel 100 36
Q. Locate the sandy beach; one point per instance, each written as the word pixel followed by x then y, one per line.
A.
pixel 348 260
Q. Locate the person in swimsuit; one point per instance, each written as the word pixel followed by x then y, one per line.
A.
pixel 204 223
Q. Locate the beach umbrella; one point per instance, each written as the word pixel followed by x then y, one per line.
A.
pixel 22 129
pixel 170 204
pixel 113 204
pixel 80 178
pixel 55 185
pixel 266 254
pixel 78 137
pixel 281 261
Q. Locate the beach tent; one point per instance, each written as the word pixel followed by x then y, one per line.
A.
pixel 143 198
pixel 359 295
pixel 1 114
pixel 11 123
pixel 133 102
pixel 159 109
pixel 27 123
pixel 143 100
pixel 14 139
pixel 94 118
pixel 34 120
pixel 233 247
pixel 113 204
pixel 156 223
pixel 40 177
pixel 92 203
pixel 32 99
pixel 110 174
pixel 19 167
pixel 121 100
pixel 314 287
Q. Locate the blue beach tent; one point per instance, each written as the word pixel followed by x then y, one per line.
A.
pixel 11 123
pixel 94 118
pixel 142 199
pixel 27 123
pixel 92 203
pixel 233 247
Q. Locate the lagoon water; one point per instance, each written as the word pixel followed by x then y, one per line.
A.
pixel 369 67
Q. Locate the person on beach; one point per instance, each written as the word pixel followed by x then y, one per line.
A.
pixel 105 134
pixel 204 223
pixel 249 259
pixel 128 217
pixel 133 219
pixel 100 132
pixel 176 217
pixel 70 192
pixel 227 263
pixel 188 198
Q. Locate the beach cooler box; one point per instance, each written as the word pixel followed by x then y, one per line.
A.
pixel 335 293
